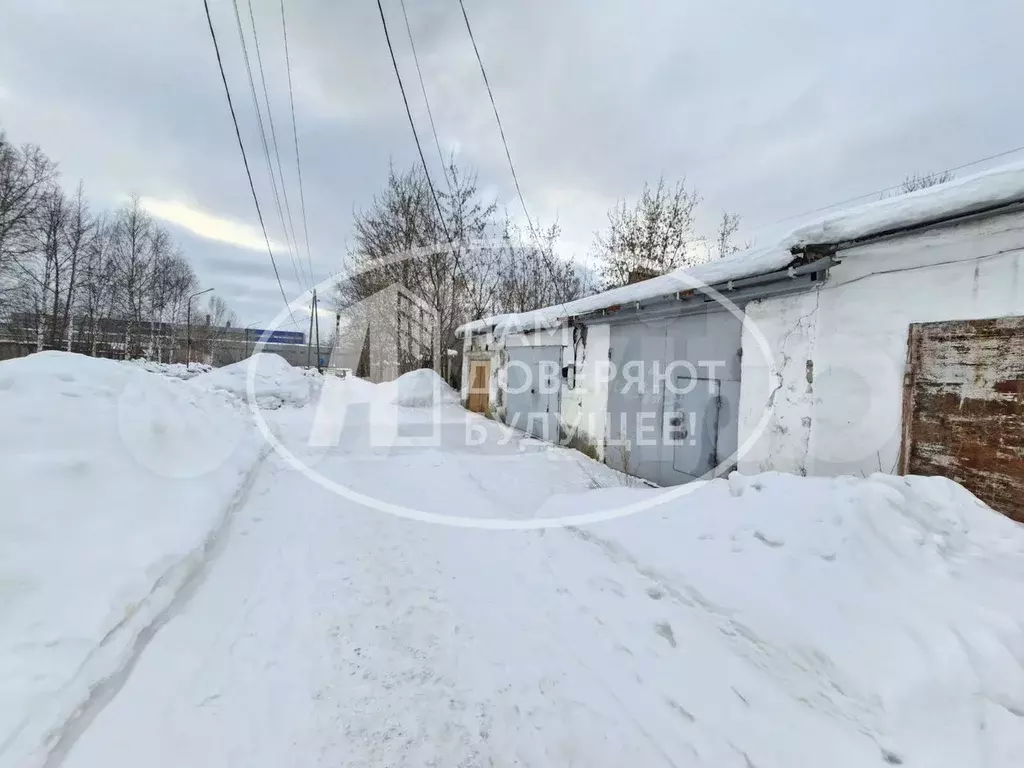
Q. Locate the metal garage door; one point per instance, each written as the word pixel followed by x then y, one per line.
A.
pixel 635 409
pixel 533 387
pixel 692 420
pixel 963 408
pixel 671 435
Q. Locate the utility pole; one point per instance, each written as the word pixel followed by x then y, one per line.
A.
pixel 309 339
pixel 316 307
pixel 247 329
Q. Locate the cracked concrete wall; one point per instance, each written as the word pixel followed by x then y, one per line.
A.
pixel 850 339
pixel 777 407
pixel 584 408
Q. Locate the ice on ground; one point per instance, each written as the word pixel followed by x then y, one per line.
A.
pixel 890 605
pixel 112 481
pixel 275 381
pixel 422 388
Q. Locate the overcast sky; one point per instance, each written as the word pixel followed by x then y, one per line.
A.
pixel 769 109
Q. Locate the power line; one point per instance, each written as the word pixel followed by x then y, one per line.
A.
pixel 412 124
pixel 497 117
pixel 501 130
pixel 245 160
pixel 882 191
pixel 263 138
pixel 273 134
pixel 426 100
pixel 295 135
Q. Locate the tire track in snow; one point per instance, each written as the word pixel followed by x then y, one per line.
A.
pixel 184 579
pixel 780 664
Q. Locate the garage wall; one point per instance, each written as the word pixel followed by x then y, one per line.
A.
pixel 842 349
pixel 585 405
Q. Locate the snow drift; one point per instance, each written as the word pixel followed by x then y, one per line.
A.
pixel 275 381
pixel 422 388
pixel 113 482
pixel 892 607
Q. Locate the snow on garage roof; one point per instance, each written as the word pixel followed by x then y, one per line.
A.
pixel 960 197
pixel 741 264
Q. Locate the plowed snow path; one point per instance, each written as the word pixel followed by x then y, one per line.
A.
pixel 327 634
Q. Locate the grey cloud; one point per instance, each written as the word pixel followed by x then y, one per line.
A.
pixel 768 108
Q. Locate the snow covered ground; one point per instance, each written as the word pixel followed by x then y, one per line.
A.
pixel 759 621
pixel 113 482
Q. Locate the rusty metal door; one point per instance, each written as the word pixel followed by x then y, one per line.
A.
pixel 963 408
pixel 479 386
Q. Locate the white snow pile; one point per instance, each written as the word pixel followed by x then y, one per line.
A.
pixel 114 481
pixel 865 621
pixel 275 381
pixel 422 388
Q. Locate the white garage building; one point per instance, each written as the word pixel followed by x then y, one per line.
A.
pixel 885 338
pixel 909 356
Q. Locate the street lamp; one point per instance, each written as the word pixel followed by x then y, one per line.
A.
pixel 188 327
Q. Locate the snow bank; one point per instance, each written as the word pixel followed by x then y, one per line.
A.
pixel 113 481
pixel 892 606
pixel 422 388
pixel 276 382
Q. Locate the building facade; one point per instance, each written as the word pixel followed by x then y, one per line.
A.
pixel 887 338
pixel 388 334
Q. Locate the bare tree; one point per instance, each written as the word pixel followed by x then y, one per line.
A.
pixel 97 286
pixel 171 281
pixel 26 176
pixel 915 181
pixel 728 226
pixel 132 258
pixel 209 331
pixel 73 280
pixel 78 231
pixel 650 237
pixel 38 267
pixel 532 275
pixel 401 238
